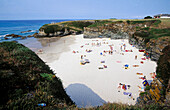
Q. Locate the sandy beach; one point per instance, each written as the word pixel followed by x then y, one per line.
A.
pixel 105 71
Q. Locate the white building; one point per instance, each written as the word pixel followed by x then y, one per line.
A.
pixel 162 16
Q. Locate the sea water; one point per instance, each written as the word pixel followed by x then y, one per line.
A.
pixel 20 27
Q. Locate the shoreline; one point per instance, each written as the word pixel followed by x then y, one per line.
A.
pixel 103 82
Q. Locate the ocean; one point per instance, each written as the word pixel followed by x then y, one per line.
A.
pixel 20 27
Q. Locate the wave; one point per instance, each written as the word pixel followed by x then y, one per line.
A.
pixel 2 36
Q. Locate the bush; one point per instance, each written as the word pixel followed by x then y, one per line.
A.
pixel 52 29
pixel 157 22
pixel 148 17
pixel 147 88
pixel 80 24
pixel 128 21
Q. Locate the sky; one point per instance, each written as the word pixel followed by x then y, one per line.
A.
pixel 81 9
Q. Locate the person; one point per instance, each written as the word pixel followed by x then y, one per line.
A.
pixel 128 86
pixel 130 96
pixel 136 57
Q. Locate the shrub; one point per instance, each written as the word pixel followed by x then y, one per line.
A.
pixel 52 29
pixel 147 88
pixel 80 24
pixel 148 17
pixel 157 22
pixel 128 21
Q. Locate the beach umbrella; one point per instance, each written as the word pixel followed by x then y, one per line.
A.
pixel 126 65
pixel 145 83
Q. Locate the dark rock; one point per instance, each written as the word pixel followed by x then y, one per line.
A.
pixel 13 35
pixel 26 31
pixel 24 37
pixel 30 36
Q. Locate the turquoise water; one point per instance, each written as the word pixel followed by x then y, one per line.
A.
pixel 18 26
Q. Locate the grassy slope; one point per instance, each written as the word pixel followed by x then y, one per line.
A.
pixel 25 80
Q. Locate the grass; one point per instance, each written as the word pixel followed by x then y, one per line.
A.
pixel 100 23
pixel 22 72
pixel 152 33
pixel 79 24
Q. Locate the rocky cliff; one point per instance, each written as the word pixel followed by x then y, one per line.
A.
pixel 63 28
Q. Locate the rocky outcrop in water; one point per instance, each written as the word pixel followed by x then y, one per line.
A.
pixel 13 35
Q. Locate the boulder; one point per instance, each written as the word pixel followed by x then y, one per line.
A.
pixel 13 35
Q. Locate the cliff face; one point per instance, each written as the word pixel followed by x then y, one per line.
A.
pixel 27 81
pixel 158 91
pixel 63 28
pixel 153 47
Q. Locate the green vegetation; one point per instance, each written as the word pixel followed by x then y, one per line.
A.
pixel 157 22
pixel 148 17
pixel 147 88
pixel 152 33
pixel 100 23
pixel 26 80
pixel 143 21
pixel 116 106
pixel 52 28
pixel 79 24
pixel 47 76
pixel 119 106
pixel 143 93
pixel 163 70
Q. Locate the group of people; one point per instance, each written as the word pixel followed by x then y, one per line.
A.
pixel 124 87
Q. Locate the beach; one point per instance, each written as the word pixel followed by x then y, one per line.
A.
pixel 111 65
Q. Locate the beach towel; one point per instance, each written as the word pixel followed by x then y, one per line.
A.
pixel 127 93
pixel 101 68
pixel 153 75
pixel 135 65
pixel 105 66
pixel 141 50
pixel 124 87
pixel 102 61
pixel 139 73
pixel 143 78
pixel 118 61
pixel 87 61
pixel 143 58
